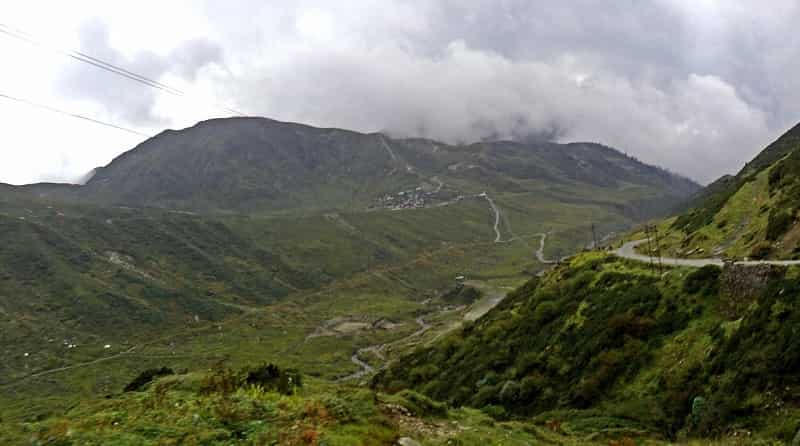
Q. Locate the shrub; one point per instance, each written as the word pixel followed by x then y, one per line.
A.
pixel 310 437
pixel 339 408
pixel 147 377
pixel 267 376
pixel 223 381
pixel 778 223
pixel 705 279
pixel 628 324
pixel 545 312
pixel 423 373
pixel 270 377
pixel 486 395
pixel 462 294
pixel 698 409
pixel 531 386
pixel 421 405
pixel 496 412
pixel 761 250
pixel 510 392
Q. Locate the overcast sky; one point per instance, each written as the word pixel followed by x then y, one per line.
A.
pixel 696 86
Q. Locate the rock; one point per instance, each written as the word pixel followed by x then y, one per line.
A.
pixel 406 441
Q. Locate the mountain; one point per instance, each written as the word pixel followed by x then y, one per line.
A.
pixel 257 164
pixel 752 214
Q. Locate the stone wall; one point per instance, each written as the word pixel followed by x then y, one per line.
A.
pixel 741 285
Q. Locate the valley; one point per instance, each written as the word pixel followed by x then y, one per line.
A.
pixel 433 279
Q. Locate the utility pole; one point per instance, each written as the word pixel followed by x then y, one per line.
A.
pixel 594 238
pixel 649 247
pixel 658 250
pixel 654 248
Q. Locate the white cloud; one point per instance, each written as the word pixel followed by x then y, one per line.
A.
pixel 698 87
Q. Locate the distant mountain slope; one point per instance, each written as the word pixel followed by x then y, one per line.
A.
pixel 752 214
pixel 257 164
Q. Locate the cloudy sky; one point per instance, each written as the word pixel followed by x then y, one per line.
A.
pixel 697 86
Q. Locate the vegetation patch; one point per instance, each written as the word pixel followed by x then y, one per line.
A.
pixel 146 377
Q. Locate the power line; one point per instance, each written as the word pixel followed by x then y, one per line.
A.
pixel 101 64
pixel 82 57
pixel 74 115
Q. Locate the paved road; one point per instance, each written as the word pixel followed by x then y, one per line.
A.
pixel 627 251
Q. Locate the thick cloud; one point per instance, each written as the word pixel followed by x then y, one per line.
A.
pixel 697 86
pixel 675 83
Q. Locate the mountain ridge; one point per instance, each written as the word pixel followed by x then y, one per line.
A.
pixel 251 163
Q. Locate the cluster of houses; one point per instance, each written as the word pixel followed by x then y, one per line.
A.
pixel 407 199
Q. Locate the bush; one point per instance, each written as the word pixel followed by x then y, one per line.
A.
pixel 223 381
pixel 778 223
pixel 545 312
pixel 421 405
pixel 705 279
pixel 147 377
pixel 761 250
pixel 496 412
pixel 423 373
pixel 267 376
pixel 531 386
pixel 270 377
pixel 462 294
pixel 510 392
pixel 698 409
pixel 486 395
pixel 628 324
pixel 339 408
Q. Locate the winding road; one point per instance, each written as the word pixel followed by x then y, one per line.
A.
pixel 377 349
pixel 540 250
pixel 498 237
pixel 627 251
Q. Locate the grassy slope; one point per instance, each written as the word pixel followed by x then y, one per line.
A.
pixel 642 372
pixel 603 344
pixel 752 214
pixel 229 271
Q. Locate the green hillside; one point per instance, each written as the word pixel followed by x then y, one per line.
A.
pixel 90 277
pixel 597 352
pixel 753 214
pixel 603 344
